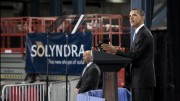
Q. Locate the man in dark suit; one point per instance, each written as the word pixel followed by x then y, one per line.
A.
pixel 90 76
pixel 142 55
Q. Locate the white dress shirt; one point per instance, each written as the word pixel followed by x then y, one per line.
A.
pixel 86 67
pixel 137 31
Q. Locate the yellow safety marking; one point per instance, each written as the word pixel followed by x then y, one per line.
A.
pixel 12 76
pixel 22 76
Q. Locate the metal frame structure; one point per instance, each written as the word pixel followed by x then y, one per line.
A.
pixel 14 29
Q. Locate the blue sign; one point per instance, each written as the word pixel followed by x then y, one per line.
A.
pixel 56 53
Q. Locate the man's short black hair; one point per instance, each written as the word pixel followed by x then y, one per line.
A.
pixel 141 12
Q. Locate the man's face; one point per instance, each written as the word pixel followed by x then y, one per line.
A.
pixel 135 19
pixel 85 57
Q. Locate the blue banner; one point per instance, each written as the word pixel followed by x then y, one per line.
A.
pixel 56 53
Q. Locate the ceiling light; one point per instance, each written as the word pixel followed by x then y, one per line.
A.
pixel 116 1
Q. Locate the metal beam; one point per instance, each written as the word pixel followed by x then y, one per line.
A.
pixel 160 15
pixel 56 7
pixel 35 8
pixel 79 6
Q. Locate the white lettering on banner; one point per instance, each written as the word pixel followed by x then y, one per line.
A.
pixel 69 62
pixel 73 51
pixel 59 50
pixel 56 50
pixel 52 48
pixel 66 51
pixel 40 47
pixel 46 52
pixel 33 54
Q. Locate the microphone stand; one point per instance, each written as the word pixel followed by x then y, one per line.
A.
pixel 73 31
pixel 47 71
pixel 52 27
pixel 66 70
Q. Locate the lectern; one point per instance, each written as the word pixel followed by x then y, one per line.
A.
pixel 110 64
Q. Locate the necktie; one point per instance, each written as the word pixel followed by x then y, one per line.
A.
pixel 134 36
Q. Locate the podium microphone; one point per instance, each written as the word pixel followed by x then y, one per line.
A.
pixel 105 41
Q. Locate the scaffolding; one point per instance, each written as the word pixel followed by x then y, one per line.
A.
pixel 14 29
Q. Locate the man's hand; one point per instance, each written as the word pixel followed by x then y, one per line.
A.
pixel 76 90
pixel 109 48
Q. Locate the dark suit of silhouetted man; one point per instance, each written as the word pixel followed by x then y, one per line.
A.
pixel 142 55
pixel 89 79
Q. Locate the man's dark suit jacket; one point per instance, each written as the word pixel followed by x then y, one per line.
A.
pixel 90 79
pixel 142 55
